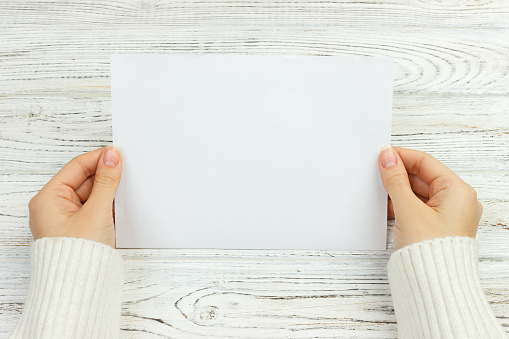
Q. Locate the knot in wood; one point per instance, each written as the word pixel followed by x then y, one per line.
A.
pixel 209 313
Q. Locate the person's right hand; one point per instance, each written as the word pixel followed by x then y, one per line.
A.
pixel 427 199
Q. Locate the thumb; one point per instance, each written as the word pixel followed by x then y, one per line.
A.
pixel 395 180
pixel 107 179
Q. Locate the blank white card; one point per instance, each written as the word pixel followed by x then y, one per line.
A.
pixel 251 152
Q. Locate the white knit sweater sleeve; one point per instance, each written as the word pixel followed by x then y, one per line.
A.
pixel 437 293
pixel 75 290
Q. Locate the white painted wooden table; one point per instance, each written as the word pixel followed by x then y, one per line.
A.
pixel 451 100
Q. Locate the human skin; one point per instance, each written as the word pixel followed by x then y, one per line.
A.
pixel 78 201
pixel 427 199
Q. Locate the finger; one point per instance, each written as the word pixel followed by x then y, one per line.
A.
pixel 85 189
pixel 418 186
pixel 423 165
pixel 390 207
pixel 76 171
pixel 395 180
pixel 107 179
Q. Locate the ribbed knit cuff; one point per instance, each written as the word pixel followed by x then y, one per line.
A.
pixel 437 293
pixel 75 290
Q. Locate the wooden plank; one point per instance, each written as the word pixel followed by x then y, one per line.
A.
pixel 468 133
pixel 471 14
pixel 459 62
pixel 66 46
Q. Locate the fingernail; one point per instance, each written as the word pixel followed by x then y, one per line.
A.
pixel 111 156
pixel 388 158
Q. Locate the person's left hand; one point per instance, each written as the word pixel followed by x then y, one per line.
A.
pixel 78 201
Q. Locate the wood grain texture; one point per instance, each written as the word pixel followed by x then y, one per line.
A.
pixel 451 100
pixel 55 128
pixel 62 47
pixel 425 61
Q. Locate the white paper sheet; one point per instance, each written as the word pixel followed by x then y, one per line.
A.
pixel 251 152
